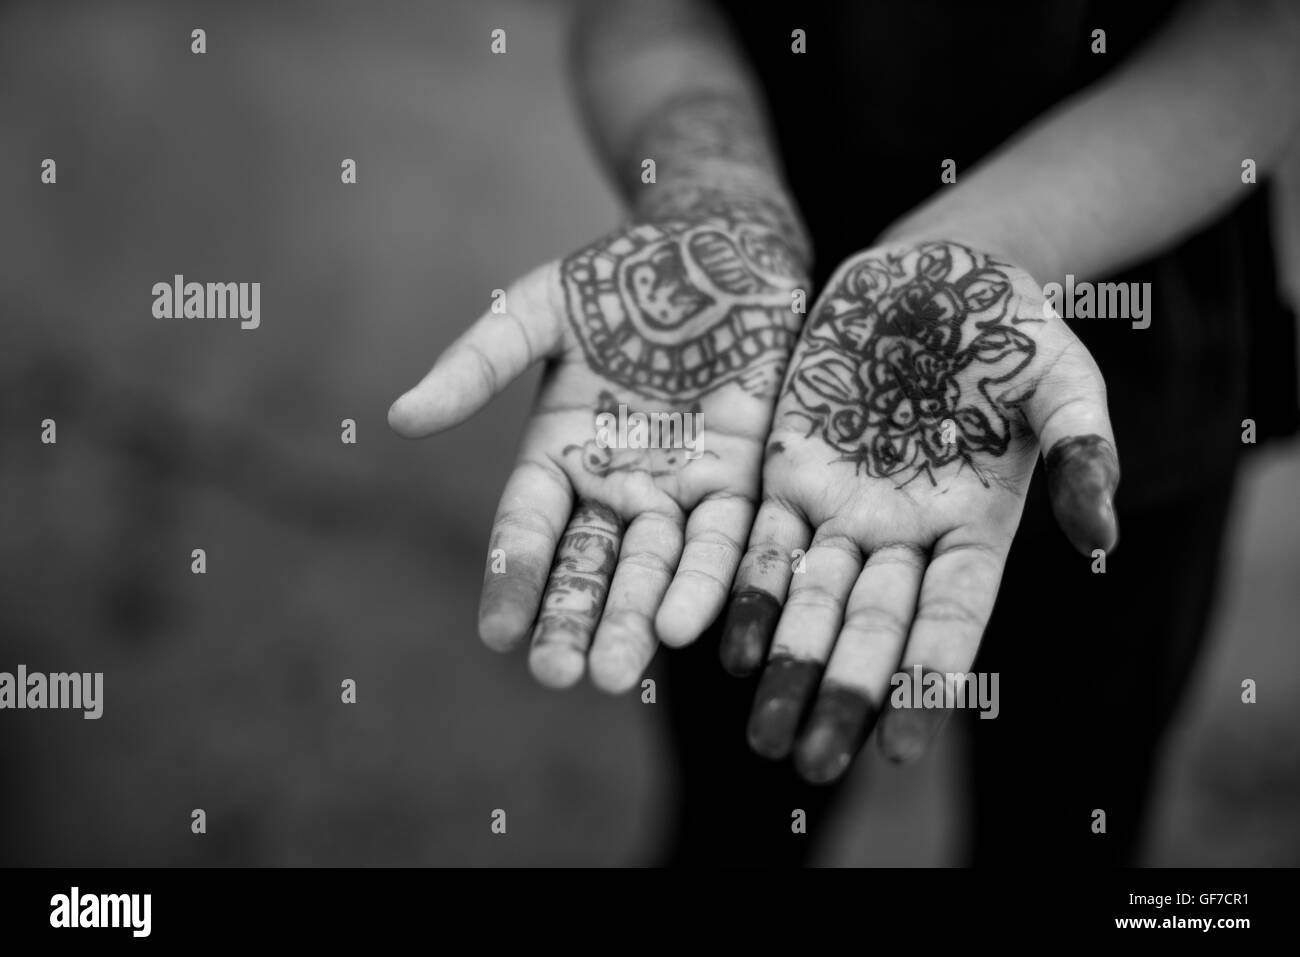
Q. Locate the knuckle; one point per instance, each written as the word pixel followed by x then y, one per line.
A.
pixel 949 611
pixel 874 620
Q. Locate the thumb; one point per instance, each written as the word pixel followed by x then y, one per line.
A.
pixel 1068 413
pixel 483 360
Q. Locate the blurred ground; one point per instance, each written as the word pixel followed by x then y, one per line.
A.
pixel 329 561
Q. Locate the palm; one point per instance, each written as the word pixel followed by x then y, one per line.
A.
pixel 664 343
pixel 904 441
pixel 703 449
pixel 836 496
pixel 687 324
pixel 901 419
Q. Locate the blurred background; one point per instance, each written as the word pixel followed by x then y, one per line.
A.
pixel 329 561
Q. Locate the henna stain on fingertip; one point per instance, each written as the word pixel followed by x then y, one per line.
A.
pixel 751 623
pixel 1082 476
pixel 840 722
pixel 783 693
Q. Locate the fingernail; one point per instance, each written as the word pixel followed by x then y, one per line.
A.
pixel 1082 475
pixel 751 623
pixel 840 722
pixel 906 732
pixel 784 689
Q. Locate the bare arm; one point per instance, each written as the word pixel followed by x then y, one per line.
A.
pixel 1139 160
pixel 662 80
pixel 611 540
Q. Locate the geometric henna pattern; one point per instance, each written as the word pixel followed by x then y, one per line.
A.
pixel 674 309
pixel 579 580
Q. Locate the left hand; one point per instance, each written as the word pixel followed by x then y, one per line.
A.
pixel 927 379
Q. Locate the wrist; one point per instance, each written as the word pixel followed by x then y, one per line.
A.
pixel 1006 241
pixel 736 194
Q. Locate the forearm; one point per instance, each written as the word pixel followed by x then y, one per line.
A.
pixel 663 81
pixel 1142 158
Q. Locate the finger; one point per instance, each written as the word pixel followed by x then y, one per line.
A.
pixel 870 643
pixel 957 597
pixel 1068 414
pixel 809 622
pixel 534 508
pixel 575 595
pixel 486 358
pixel 761 584
pixel 625 641
pixel 715 534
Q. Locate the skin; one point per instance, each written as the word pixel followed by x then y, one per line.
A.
pixel 692 308
pixel 903 570
pixel 1141 158
pixel 924 386
pixel 660 79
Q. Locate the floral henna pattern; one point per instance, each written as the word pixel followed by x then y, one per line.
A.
pixel 914 361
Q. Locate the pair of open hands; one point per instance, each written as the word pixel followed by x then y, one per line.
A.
pixel 851 482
